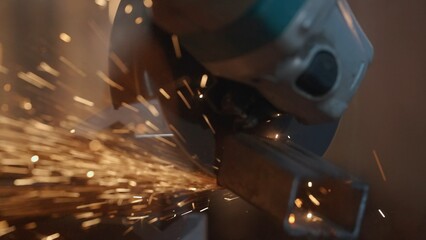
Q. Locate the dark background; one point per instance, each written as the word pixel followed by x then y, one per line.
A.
pixel 388 114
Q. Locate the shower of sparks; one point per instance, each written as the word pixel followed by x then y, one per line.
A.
pixel 379 165
pixel 54 164
pixel 56 172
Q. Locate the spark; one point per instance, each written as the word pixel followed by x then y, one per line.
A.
pixel 99 33
pixel 230 199
pixel 84 215
pixel 90 223
pixel 381 213
pixel 118 62
pixel 314 200
pixel 298 202
pixel 151 108
pixel 23 182
pixel 109 81
pixel 208 123
pixel 5 229
pixel 147 3
pixel 309 215
pixel 31 225
pixel 176 46
pixel 152 125
pixel 7 87
pixel 138 20
pixel 47 68
pixel 72 130
pixel 90 174
pixel 35 80
pixel 101 3
pixel 65 37
pixel 27 106
pixel 153 220
pixel 35 158
pixel 292 218
pixel 164 93
pixel 310 184
pixel 83 101
pixel 379 165
pixel 204 209
pixel 173 128
pixel 128 230
pixel 72 66
pixel 128 8
pixel 188 87
pixel 204 79
pixel 138 217
pixel 163 140
pixel 52 237
pixel 3 69
pixel 190 211
pixel 130 107
pixel 91 205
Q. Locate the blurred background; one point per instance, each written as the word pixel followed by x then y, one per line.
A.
pixel 380 139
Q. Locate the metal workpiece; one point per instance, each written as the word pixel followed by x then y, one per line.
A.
pixel 308 195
